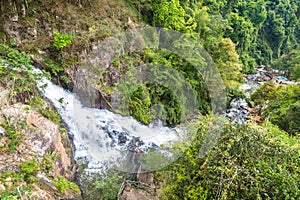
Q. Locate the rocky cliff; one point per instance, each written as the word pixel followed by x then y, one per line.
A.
pixel 34 160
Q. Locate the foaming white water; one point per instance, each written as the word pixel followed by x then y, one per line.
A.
pixel 101 137
pixel 237 112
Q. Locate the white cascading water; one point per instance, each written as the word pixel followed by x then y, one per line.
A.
pixel 236 112
pixel 101 137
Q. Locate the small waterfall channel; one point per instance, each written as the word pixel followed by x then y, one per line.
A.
pixel 239 107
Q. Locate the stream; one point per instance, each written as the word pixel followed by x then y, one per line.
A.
pixel 238 112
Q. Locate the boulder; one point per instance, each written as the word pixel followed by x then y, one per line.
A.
pixel 257 119
pixel 259 79
pixel 266 78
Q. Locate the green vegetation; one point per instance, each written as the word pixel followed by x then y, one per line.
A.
pixel 103 186
pixel 13 135
pixel 61 40
pixel 108 187
pixel 64 186
pixel 16 74
pixel 14 194
pixel 290 64
pixel 53 68
pixel 261 30
pixel 42 107
pixel 162 96
pixel 248 161
pixel 154 160
pixel 29 169
pixel 171 15
pixel 139 104
pixel 282 105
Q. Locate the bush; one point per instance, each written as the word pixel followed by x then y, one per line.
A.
pixel 16 74
pixel 29 169
pixel 13 135
pixel 61 40
pixel 249 162
pixel 64 186
pixel 282 108
pixel 107 188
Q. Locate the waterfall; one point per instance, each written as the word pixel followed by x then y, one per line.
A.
pixel 101 137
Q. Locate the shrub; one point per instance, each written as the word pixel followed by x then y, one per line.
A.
pixel 13 135
pixel 29 168
pixel 61 40
pixel 107 188
pixel 64 186
pixel 247 162
pixel 16 74
pixel 282 108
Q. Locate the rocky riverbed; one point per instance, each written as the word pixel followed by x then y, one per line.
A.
pixel 240 109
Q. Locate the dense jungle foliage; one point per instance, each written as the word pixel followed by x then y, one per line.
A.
pixel 250 161
pixel 261 30
pixel 238 35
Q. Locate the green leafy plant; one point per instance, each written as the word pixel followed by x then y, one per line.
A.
pixel 13 135
pixel 61 40
pixel 48 162
pixel 53 68
pixel 29 169
pixel 247 161
pixel 64 186
pixel 108 187
pixel 282 107
pixel 16 74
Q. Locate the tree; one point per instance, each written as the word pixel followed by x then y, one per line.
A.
pixel 227 62
pixel 169 14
